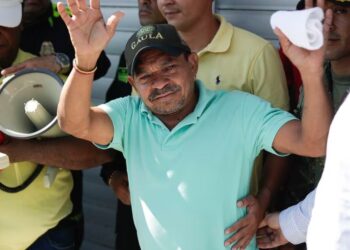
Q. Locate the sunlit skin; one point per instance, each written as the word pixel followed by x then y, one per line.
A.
pixel 32 9
pixel 166 84
pixel 9 43
pixel 149 12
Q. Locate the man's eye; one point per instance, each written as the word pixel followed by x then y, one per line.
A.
pixel 144 80
pixel 170 67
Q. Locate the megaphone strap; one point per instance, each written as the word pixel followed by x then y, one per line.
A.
pixel 25 184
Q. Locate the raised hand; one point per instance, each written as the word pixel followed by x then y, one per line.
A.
pixel 305 60
pixel 88 31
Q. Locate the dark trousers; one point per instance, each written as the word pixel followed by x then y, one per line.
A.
pixel 126 236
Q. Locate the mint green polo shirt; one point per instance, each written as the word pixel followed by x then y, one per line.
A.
pixel 184 183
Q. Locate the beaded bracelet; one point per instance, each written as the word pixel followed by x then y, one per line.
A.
pixel 81 71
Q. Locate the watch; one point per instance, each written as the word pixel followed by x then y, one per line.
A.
pixel 64 62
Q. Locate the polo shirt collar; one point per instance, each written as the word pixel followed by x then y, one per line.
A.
pixel 203 101
pixel 222 39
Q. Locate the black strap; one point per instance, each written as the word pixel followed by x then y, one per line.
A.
pixel 25 184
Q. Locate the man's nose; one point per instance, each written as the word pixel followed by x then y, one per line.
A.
pixel 160 81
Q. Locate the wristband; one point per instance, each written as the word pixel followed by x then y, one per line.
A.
pixel 64 62
pixel 81 71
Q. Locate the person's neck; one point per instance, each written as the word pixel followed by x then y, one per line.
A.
pixel 171 120
pixel 199 35
pixel 341 67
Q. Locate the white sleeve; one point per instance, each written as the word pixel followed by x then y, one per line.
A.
pixel 294 221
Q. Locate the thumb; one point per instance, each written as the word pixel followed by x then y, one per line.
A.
pixel 112 22
pixel 263 223
pixel 272 220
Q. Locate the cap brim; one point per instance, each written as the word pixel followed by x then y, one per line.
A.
pixel 173 51
pixel 11 16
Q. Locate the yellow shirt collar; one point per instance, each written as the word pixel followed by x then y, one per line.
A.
pixel 222 39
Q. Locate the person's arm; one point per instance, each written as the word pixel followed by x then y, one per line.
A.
pixel 114 173
pixel 48 62
pixel 246 228
pixel 290 225
pixel 89 35
pixel 64 152
pixel 307 137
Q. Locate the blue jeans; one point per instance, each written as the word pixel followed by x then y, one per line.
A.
pixel 58 238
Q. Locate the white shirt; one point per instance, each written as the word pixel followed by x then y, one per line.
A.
pixel 294 221
pixel 330 222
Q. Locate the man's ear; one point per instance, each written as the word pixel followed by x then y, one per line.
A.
pixel 131 81
pixel 193 60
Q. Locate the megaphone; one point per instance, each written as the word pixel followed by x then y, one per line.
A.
pixel 40 87
pixel 16 90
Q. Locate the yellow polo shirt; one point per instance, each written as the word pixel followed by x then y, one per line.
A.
pixel 237 59
pixel 26 215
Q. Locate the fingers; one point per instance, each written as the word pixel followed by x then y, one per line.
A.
pixel 237 226
pixel 284 41
pixel 247 201
pixel 240 239
pixel 124 196
pixel 327 24
pixel 63 13
pixel 308 4
pixel 82 5
pixel 13 69
pixel 263 223
pixel 266 238
pixel 112 22
pixel 73 6
pixel 95 4
pixel 321 3
pixel 244 231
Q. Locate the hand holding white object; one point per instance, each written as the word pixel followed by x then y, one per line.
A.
pixel 302 27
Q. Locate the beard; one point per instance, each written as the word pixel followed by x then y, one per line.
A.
pixel 169 107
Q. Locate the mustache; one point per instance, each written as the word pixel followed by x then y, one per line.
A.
pixel 333 35
pixel 170 9
pixel 169 88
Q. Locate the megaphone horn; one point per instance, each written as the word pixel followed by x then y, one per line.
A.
pixel 40 84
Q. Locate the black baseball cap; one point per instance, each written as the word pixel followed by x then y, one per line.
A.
pixel 158 36
pixel 341 2
pixel 345 3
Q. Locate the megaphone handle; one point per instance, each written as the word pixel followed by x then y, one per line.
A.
pixel 4 161
pixel 50 176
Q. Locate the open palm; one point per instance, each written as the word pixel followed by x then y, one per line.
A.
pixel 88 31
